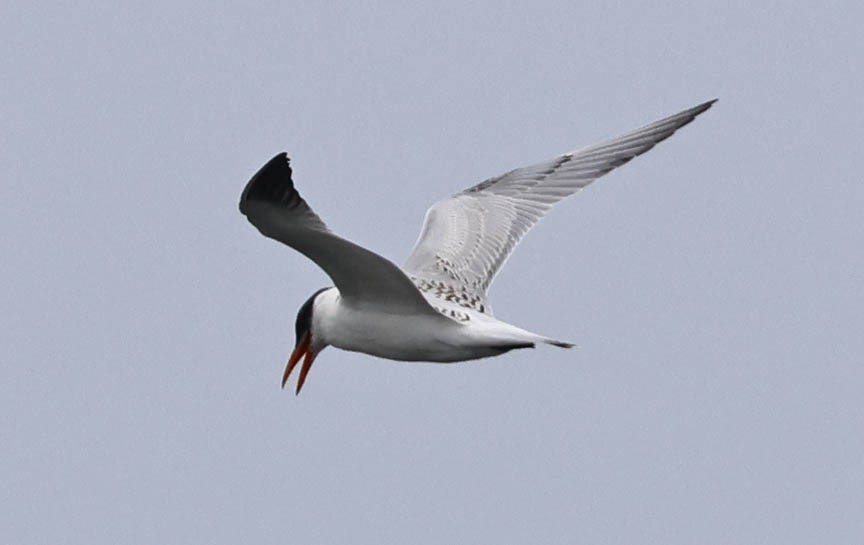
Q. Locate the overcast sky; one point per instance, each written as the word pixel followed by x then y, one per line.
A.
pixel 714 285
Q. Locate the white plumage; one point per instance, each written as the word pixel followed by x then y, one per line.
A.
pixel 435 307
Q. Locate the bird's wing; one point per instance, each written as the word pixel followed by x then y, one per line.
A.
pixel 465 239
pixel 272 204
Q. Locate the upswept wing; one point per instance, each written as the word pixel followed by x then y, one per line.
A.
pixel 273 205
pixel 465 239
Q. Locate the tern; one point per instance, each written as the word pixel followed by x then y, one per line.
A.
pixel 434 308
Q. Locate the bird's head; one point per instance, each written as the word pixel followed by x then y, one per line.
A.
pixel 307 345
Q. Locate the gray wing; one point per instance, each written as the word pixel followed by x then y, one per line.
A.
pixel 465 239
pixel 273 205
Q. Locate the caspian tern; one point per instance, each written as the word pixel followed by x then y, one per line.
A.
pixel 434 308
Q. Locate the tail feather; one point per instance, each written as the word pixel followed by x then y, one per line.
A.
pixel 520 338
pixel 559 344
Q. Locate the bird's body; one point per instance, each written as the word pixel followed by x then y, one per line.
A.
pixel 444 333
pixel 434 308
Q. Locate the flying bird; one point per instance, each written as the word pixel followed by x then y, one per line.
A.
pixel 434 308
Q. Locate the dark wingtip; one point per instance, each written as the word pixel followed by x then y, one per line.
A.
pixel 705 105
pixel 272 183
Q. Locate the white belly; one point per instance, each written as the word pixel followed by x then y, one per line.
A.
pixel 412 337
pixel 408 338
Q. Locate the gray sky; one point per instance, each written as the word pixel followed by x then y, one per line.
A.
pixel 714 285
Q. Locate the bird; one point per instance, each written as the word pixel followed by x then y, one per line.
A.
pixel 434 308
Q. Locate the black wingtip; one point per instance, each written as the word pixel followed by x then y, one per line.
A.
pixel 272 183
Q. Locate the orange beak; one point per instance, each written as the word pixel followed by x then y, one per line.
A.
pixel 304 348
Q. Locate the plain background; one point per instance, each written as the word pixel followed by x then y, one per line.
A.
pixel 714 285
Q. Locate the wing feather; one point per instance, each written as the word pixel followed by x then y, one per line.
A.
pixel 465 239
pixel 273 205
